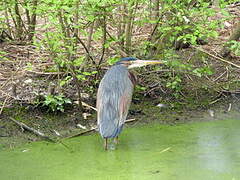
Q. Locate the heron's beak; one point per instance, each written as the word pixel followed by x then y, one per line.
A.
pixel 140 63
pixel 150 62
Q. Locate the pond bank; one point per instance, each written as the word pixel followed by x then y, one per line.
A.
pixel 65 124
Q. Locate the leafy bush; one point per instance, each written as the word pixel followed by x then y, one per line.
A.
pixel 235 47
pixel 79 36
pixel 54 102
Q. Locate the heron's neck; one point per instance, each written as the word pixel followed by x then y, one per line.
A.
pixel 133 78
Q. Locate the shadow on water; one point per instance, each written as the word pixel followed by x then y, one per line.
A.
pixel 200 150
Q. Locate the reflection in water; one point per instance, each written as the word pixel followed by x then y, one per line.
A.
pixel 212 152
pixel 219 146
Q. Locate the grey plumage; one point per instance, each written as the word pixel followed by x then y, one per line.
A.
pixel 115 95
pixel 113 100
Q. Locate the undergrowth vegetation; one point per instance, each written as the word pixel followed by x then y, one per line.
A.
pixel 81 37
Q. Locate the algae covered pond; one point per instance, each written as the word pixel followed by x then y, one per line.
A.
pixel 199 150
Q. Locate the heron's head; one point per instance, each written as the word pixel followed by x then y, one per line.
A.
pixel 131 62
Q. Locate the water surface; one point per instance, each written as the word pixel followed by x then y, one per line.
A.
pixel 202 150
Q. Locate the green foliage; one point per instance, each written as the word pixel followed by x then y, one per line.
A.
pixel 175 83
pixel 202 71
pixel 54 102
pixel 82 76
pixel 3 56
pixel 65 28
pixel 112 60
pixel 179 67
pixel 65 80
pixel 187 23
pixel 235 47
pixel 140 88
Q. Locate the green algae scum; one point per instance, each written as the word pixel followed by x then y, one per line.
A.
pixel 199 150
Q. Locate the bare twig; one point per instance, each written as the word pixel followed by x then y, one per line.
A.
pixel 130 120
pixel 38 133
pixel 164 150
pixel 34 131
pixel 85 47
pixel 81 133
pixel 229 107
pixel 44 73
pixel 216 100
pixel 93 129
pixel 220 76
pixel 216 57
pixel 10 78
pixel 119 50
pixel 87 105
pixel 3 105
pixel 6 94
pixel 231 92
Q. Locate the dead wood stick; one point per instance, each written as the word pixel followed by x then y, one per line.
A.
pixel 4 135
pixel 87 105
pixel 34 131
pixel 44 73
pixel 81 133
pixel 93 129
pixel 232 92
pixel 13 74
pixel 10 96
pixel 5 100
pixel 130 120
pixel 216 57
pixel 38 133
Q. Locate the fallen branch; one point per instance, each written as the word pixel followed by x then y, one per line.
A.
pixel 34 131
pixel 10 96
pixel 4 135
pixel 3 105
pixel 44 73
pixel 130 120
pixel 231 92
pixel 38 133
pixel 80 133
pixel 87 105
pixel 91 130
pixel 216 57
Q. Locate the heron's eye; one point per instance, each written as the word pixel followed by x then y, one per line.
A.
pixel 127 62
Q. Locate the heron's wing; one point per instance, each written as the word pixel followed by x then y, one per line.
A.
pixel 113 100
pixel 124 104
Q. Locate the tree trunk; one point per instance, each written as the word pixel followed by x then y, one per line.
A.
pixel 104 29
pixel 89 40
pixel 18 24
pixel 122 25
pixel 33 21
pixel 129 25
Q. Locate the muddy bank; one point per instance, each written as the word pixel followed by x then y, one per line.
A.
pixel 61 125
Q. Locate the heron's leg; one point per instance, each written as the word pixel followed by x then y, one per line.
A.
pixel 105 143
pixel 116 140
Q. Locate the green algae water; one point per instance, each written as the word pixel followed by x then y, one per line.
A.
pixel 202 150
